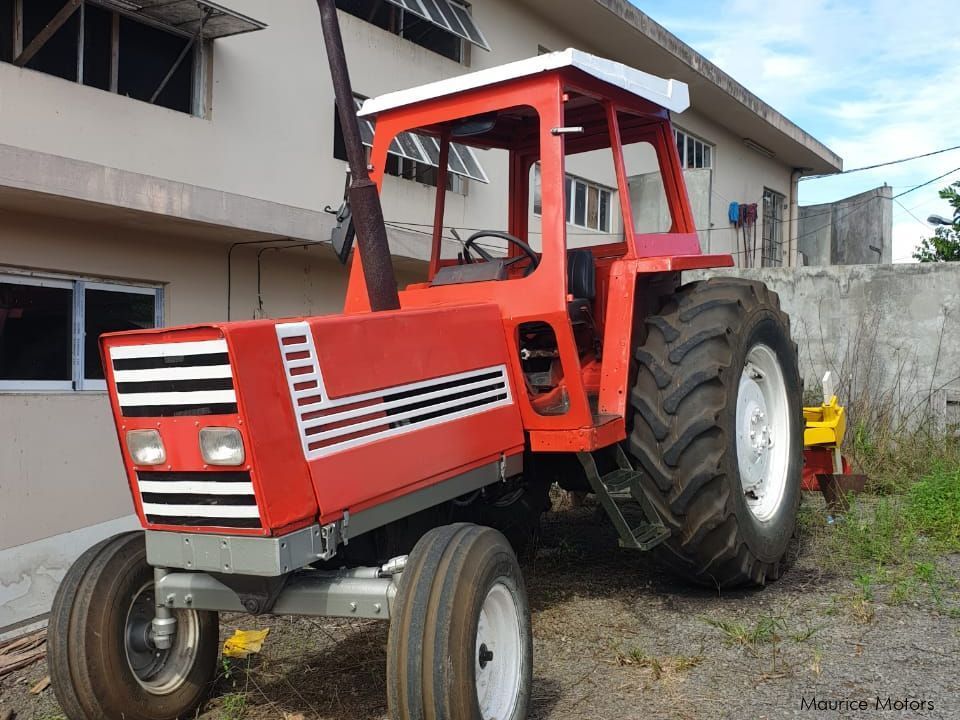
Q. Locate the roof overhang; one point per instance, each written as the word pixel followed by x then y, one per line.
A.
pixel 631 37
pixel 188 16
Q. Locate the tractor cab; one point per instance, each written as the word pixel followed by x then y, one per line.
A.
pixel 584 191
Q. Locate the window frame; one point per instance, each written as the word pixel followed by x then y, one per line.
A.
pixel 696 140
pixel 771 235
pixel 78 287
pixel 570 182
pixel 199 54
pixel 464 45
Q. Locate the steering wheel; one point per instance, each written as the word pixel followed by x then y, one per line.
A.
pixel 528 252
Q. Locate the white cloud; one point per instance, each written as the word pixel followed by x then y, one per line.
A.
pixel 875 80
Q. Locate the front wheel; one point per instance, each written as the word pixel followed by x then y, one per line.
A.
pixel 460 644
pixel 103 661
pixel 718 430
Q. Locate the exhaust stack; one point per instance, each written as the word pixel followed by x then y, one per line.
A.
pixel 364 198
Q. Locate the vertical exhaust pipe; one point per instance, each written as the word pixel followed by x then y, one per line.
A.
pixel 364 199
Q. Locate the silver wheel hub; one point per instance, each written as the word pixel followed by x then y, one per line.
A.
pixel 159 672
pixel 764 430
pixel 499 658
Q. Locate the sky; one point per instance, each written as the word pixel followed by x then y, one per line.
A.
pixel 875 80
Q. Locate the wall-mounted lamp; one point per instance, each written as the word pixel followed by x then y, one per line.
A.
pixel 757 147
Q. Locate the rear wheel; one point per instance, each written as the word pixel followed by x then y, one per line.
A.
pixel 103 661
pixel 460 643
pixel 718 430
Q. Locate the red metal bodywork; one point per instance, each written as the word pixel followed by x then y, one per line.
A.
pixel 444 330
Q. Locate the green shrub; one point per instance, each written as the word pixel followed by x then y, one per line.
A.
pixel 932 508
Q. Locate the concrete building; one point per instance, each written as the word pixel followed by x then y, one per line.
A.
pixel 153 155
pixel 857 230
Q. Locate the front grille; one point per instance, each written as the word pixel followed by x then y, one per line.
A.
pixel 170 379
pixel 216 499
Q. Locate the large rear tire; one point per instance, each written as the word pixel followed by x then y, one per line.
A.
pixel 102 661
pixel 718 430
pixel 460 644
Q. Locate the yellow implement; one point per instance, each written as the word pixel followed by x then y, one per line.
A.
pixel 824 429
pixel 825 424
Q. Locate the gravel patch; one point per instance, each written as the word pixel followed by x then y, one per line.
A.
pixel 616 638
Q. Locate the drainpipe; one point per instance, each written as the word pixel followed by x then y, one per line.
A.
pixel 794 227
pixel 364 199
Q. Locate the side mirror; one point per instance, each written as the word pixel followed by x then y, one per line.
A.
pixel 475 125
pixel 343 233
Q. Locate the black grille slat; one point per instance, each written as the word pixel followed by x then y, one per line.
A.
pixel 400 394
pixel 197 499
pixel 467 404
pixel 448 398
pixel 194 476
pixel 171 361
pixel 153 386
pixel 178 410
pixel 204 521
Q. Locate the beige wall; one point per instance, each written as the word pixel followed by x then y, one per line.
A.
pixel 270 127
pixel 268 135
pixel 59 464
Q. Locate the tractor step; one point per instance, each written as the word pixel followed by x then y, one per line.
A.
pixel 623 484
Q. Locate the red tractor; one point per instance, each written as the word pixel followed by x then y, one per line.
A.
pixel 374 463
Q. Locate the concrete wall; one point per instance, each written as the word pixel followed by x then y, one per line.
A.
pixel 854 231
pixel 268 136
pixel 269 133
pixel 889 333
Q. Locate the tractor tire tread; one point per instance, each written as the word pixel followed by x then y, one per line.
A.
pixel 676 436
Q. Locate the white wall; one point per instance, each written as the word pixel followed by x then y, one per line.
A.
pixel 269 133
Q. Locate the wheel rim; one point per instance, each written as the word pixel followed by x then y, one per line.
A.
pixel 499 654
pixel 159 672
pixel 763 432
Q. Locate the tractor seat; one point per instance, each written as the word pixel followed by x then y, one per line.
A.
pixel 582 284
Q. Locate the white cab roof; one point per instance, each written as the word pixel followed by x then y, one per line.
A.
pixel 671 94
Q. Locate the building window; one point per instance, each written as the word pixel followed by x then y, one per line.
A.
pixel 773 205
pixel 694 152
pixel 415 157
pixel 587 204
pixel 98 46
pixel 442 26
pixel 49 328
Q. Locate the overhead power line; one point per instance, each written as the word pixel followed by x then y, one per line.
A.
pixel 928 182
pixel 883 164
pixel 853 208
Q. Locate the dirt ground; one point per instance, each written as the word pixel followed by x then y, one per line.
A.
pixel 617 639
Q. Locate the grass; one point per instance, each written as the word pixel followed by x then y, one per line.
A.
pixel 767 629
pixel 893 461
pixel 233 706
pixel 932 509
pixel 766 636
pixel 894 543
pixel 658 666
pixel 890 531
